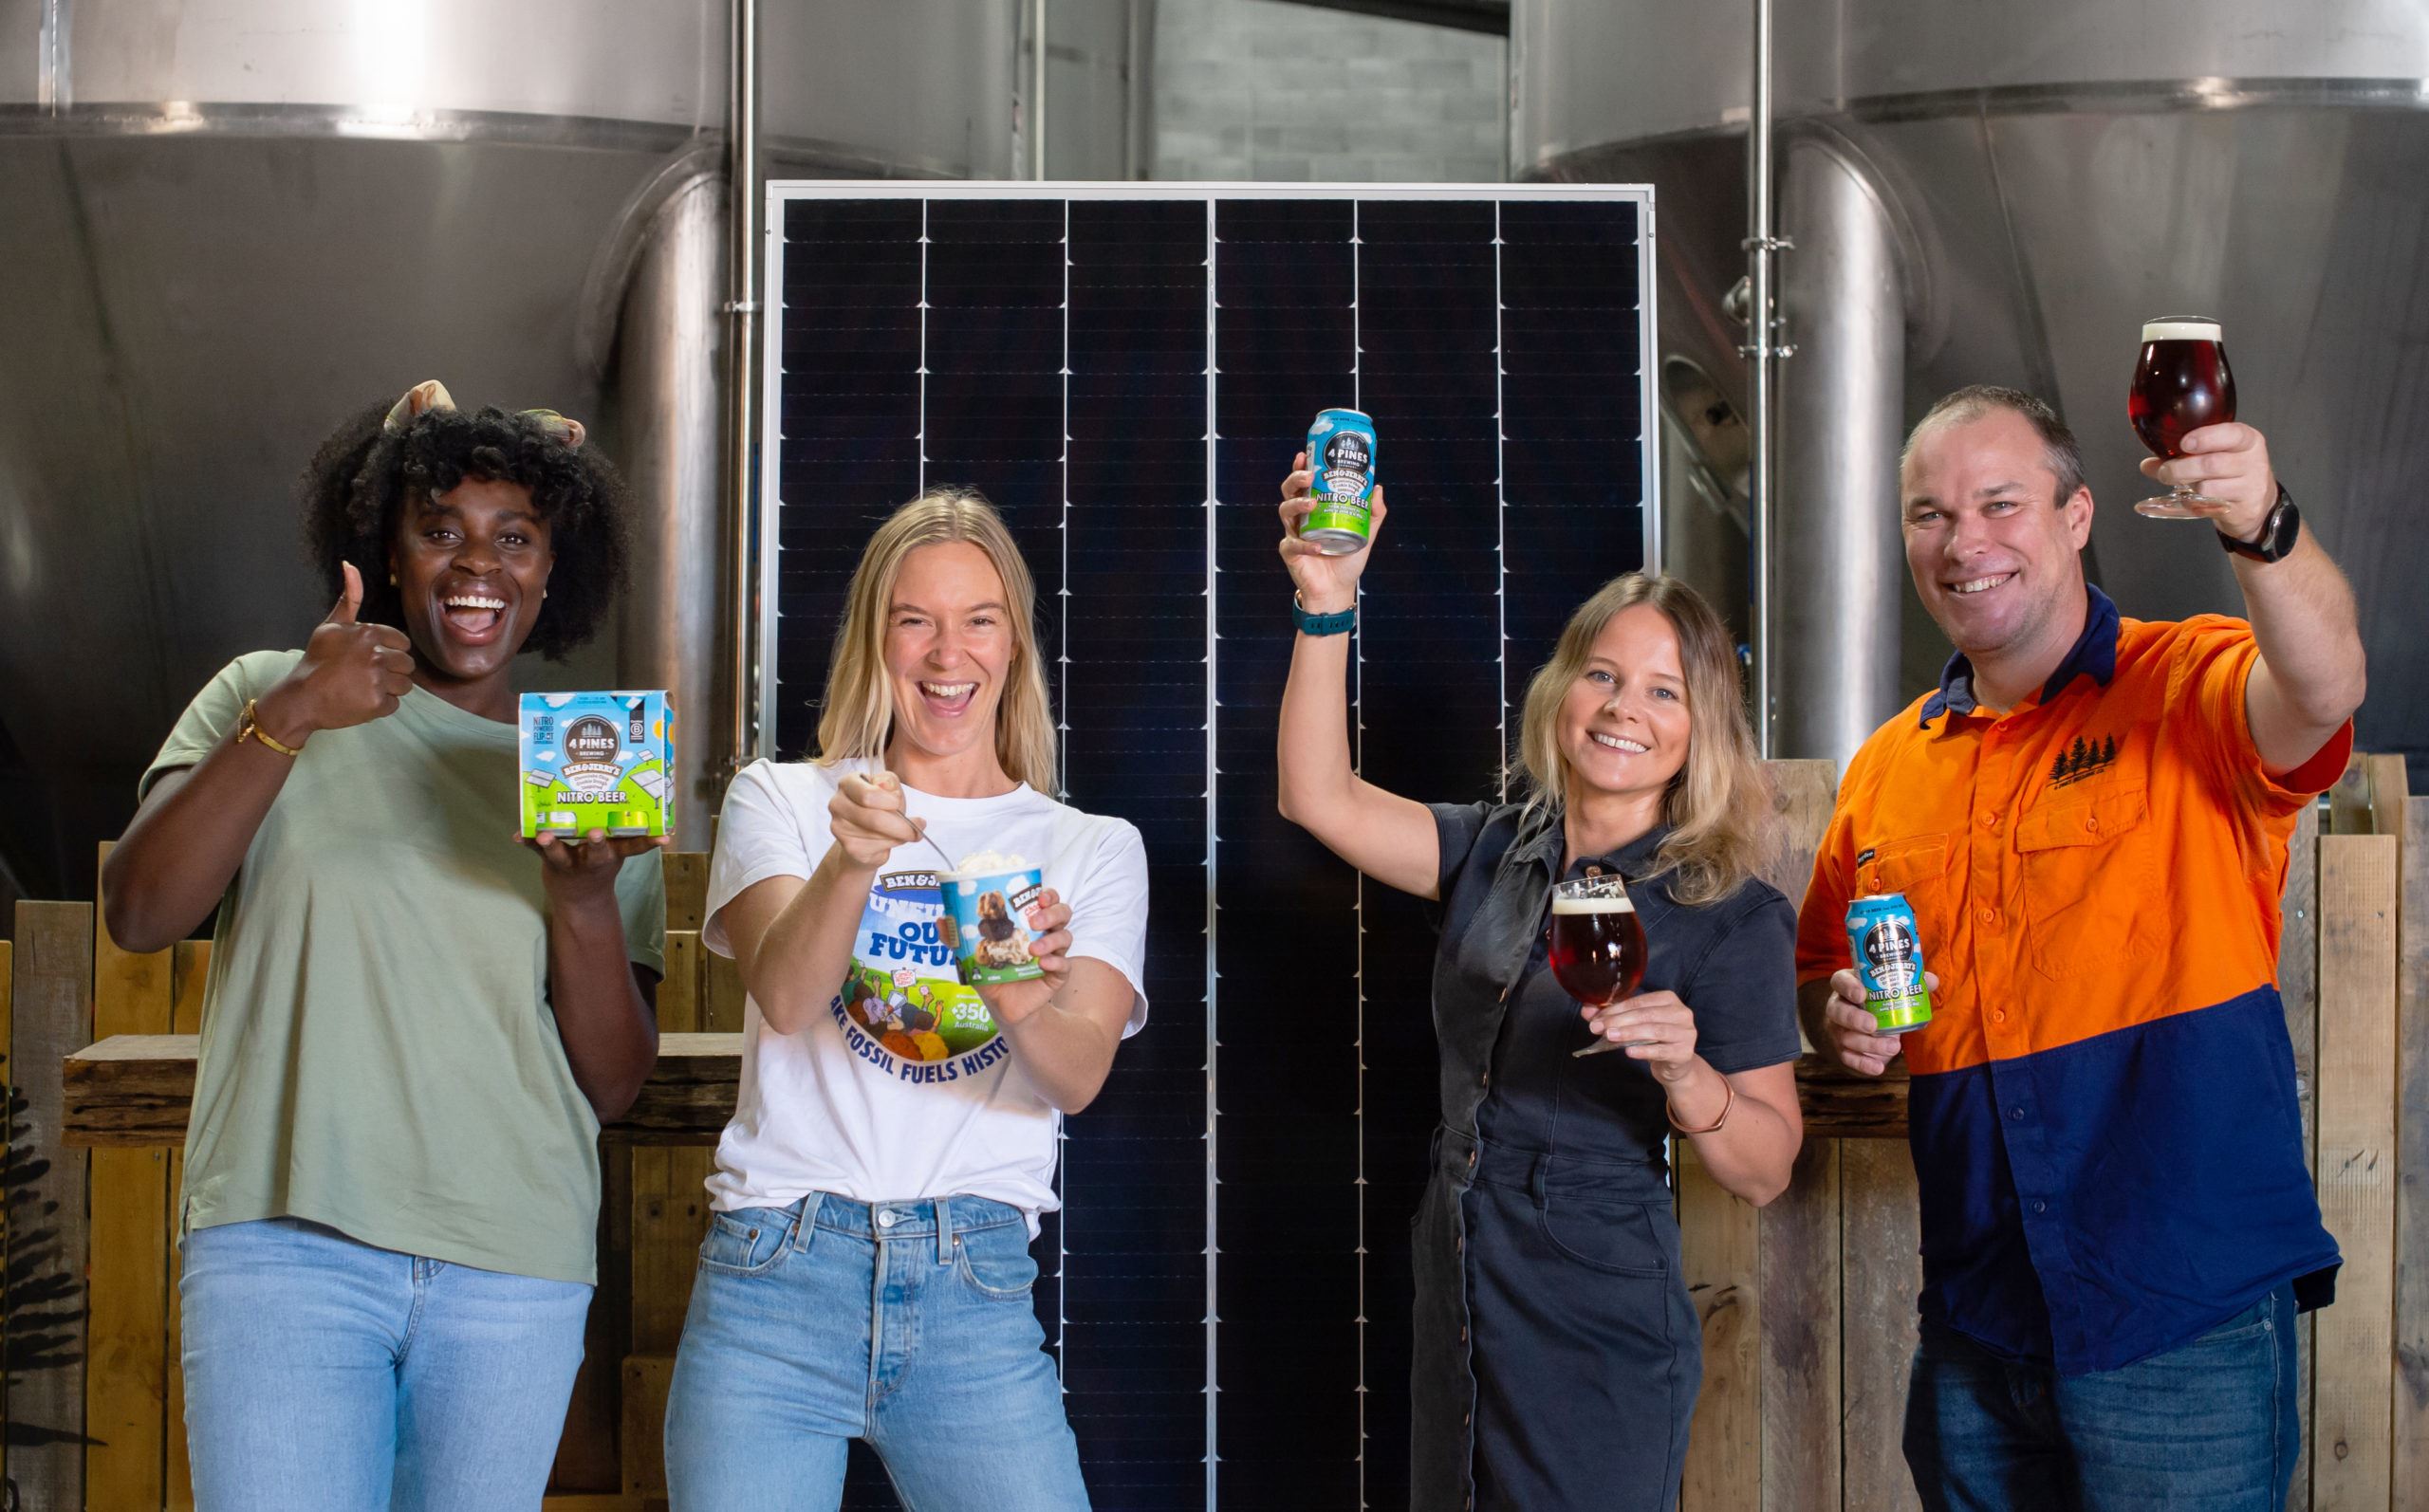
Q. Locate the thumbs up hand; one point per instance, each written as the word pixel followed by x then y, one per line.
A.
pixel 351 673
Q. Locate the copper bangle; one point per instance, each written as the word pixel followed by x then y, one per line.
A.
pixel 1726 1103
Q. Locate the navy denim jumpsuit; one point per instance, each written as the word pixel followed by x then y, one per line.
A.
pixel 1557 1354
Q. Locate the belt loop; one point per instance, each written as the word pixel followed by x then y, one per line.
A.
pixel 804 1213
pixel 1536 1168
pixel 944 1230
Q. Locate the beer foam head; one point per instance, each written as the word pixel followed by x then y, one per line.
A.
pixel 2181 328
pixel 1619 904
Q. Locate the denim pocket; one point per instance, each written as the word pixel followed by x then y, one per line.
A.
pixel 2254 1321
pixel 996 1263
pixel 1618 1238
pixel 746 1242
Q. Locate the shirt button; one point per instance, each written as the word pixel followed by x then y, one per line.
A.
pixel 2091 823
pixel 1990 820
pixel 885 1218
pixel 1998 1015
pixel 2016 1113
pixel 2040 1206
pixel 1989 916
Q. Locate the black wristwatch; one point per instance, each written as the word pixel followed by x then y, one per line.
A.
pixel 2277 536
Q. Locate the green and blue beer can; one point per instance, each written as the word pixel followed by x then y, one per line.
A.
pixel 1887 945
pixel 1341 456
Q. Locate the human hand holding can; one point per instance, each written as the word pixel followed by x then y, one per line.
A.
pixel 1887 945
pixel 1340 489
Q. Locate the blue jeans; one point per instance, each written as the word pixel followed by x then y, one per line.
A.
pixel 2213 1425
pixel 322 1373
pixel 906 1323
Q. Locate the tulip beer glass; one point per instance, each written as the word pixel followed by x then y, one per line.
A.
pixel 2182 383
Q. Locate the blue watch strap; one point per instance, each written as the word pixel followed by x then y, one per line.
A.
pixel 1332 624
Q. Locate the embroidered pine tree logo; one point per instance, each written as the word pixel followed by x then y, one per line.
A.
pixel 2082 759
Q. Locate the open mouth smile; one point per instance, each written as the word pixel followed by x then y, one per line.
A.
pixel 472 618
pixel 948 700
pixel 1973 585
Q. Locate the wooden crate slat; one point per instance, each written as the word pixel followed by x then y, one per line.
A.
pixel 2388 785
pixel 669 1204
pixel 52 1014
pixel 1801 1341
pixel 1881 1271
pixel 2348 798
pixel 2298 986
pixel 2351 1442
pixel 1720 1241
pixel 687 889
pixel 190 975
pixel 126 1388
pixel 646 1379
pixel 2410 1473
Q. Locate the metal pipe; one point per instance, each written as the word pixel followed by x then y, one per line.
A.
pixel 1760 328
pixel 1037 90
pixel 667 376
pixel 742 368
pixel 1839 430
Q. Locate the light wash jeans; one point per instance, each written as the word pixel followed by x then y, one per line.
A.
pixel 2211 1425
pixel 322 1373
pixel 904 1323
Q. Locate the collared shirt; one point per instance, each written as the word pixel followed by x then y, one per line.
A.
pixel 2103 1109
pixel 1508 1027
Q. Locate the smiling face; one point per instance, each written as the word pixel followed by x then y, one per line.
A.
pixel 949 650
pixel 472 568
pixel 1625 725
pixel 1994 556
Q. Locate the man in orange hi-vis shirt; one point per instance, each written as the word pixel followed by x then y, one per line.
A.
pixel 2090 817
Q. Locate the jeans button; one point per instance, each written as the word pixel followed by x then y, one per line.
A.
pixel 885 1218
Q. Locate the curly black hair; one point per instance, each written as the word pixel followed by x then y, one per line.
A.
pixel 356 490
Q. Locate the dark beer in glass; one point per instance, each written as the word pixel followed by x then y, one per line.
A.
pixel 1598 947
pixel 2182 383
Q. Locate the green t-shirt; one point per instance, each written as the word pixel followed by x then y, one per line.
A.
pixel 377 1050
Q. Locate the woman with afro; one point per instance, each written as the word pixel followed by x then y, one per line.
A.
pixel 412 1029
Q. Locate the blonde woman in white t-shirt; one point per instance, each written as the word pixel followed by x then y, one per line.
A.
pixel 867 1273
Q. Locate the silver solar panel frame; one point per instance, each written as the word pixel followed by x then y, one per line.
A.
pixel 782 193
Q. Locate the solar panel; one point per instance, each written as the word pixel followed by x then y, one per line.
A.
pixel 1125 371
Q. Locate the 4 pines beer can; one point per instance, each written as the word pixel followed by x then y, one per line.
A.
pixel 1888 949
pixel 1340 453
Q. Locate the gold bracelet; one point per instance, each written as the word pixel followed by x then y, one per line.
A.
pixel 1726 1103
pixel 250 728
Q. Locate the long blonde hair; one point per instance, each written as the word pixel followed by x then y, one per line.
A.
pixel 856 720
pixel 1719 805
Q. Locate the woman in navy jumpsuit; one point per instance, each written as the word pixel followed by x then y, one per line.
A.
pixel 1556 1352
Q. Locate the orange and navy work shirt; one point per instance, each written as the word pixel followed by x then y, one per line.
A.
pixel 2103 1110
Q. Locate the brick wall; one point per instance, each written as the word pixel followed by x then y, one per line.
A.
pixel 1251 89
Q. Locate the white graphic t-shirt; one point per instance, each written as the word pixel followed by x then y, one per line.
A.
pixel 903 1089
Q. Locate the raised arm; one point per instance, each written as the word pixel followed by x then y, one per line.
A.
pixel 2311 674
pixel 178 857
pixel 1389 837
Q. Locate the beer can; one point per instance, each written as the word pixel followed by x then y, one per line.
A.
pixel 1888 949
pixel 1340 453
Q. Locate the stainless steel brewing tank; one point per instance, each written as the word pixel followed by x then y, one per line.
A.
pixel 2054 176
pixel 228 225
